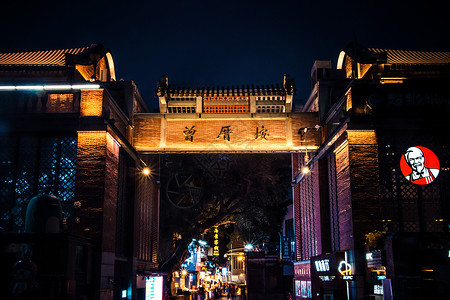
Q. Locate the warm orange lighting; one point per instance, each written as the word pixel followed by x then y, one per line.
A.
pixel 91 103
pixel 146 171
pixel 240 258
pixel 392 80
pixel 306 170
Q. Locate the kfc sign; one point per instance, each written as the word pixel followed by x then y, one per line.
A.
pixel 419 165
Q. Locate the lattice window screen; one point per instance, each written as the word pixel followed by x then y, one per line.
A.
pixel 30 165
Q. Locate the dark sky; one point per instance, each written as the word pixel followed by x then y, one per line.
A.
pixel 223 42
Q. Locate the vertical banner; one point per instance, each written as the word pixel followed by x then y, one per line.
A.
pixel 285 247
pixel 216 241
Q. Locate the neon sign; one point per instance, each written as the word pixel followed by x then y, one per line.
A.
pixel 322 265
pixel 216 241
pixel 419 165
pixel 345 268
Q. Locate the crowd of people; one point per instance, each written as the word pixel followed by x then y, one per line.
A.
pixel 219 290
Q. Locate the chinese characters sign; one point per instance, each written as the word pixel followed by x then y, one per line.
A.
pixel 189 133
pixel 216 241
pixel 225 132
pixel 154 134
pixel 262 134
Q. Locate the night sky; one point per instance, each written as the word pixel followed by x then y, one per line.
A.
pixel 223 43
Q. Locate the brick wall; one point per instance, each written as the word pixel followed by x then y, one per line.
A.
pixel 363 160
pixel 96 190
pixel 91 103
pixel 110 194
pixel 147 133
pixel 96 185
pixel 344 201
pixel 90 181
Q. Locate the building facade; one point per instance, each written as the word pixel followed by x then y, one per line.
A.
pixel 372 215
pixel 66 130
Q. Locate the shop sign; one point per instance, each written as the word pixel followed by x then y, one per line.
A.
pixel 327 278
pixel 345 268
pixel 216 241
pixel 378 289
pixel 374 259
pixel 402 100
pixel 322 265
pixel 153 288
pixel 419 165
pixel 286 247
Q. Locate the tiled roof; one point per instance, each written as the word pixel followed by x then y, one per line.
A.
pixel 38 58
pixel 228 91
pixel 414 57
pixel 287 88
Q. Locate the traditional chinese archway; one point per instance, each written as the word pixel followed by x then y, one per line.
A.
pixel 240 119
pixel 243 133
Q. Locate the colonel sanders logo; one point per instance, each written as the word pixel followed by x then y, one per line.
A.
pixel 419 165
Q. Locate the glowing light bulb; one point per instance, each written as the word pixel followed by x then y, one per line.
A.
pixel 306 170
pixel 146 171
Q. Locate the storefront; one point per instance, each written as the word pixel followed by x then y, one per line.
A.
pixel 302 280
pixel 332 276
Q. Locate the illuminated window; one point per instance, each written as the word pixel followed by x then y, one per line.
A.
pixel 226 109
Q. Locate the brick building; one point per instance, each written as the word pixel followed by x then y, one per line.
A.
pixel 66 130
pixel 364 227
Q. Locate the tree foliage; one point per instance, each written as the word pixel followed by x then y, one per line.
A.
pixel 374 239
pixel 200 191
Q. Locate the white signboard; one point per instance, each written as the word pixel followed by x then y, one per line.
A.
pixel 154 288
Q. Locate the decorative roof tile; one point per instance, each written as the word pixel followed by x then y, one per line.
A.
pixel 414 57
pixel 227 91
pixel 38 58
pixel 287 88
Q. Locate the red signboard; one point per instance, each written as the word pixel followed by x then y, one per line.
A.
pixel 419 165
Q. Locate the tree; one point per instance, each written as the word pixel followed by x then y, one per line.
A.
pixel 200 191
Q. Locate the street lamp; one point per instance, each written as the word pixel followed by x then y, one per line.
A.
pixel 306 169
pixel 146 171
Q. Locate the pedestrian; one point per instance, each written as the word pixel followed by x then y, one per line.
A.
pixel 233 291
pixel 201 292
pixel 216 293
pixel 228 290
